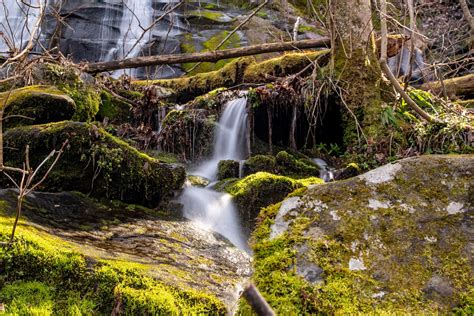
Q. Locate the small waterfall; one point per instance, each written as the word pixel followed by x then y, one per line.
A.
pixel 17 19
pixel 231 138
pixel 325 172
pixel 215 210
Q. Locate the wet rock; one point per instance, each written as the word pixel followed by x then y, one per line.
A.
pixel 174 251
pixel 397 239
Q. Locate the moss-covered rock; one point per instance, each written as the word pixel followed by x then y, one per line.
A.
pixel 241 70
pixel 94 162
pixel 394 240
pixel 36 105
pixel 259 190
pixel 74 253
pixel 81 87
pixel 258 163
pixel 113 109
pixel 228 169
pixel 294 166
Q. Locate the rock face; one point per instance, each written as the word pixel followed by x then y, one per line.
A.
pixel 105 30
pixel 398 238
pixel 174 251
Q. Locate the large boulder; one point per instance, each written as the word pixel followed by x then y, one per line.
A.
pixel 94 162
pixel 398 239
pixel 111 256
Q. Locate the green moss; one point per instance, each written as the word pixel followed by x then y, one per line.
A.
pixel 285 65
pixel 227 169
pixel 188 45
pixel 259 190
pixel 64 285
pixel 113 109
pixel 82 90
pixel 39 104
pixel 236 72
pixel 292 166
pixel 95 162
pixel 258 163
pixel 209 16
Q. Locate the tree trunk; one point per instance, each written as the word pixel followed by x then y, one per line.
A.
pixel 356 66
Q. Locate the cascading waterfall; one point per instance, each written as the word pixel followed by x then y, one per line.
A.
pixel 214 210
pixel 17 19
pixel 231 138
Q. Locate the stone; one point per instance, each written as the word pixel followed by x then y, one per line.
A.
pixel 396 239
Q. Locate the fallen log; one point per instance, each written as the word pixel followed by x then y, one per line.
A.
pixel 213 56
pixel 463 85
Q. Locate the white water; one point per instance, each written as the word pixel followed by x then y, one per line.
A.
pixel 16 22
pixel 325 171
pixel 137 17
pixel 214 210
pixel 231 138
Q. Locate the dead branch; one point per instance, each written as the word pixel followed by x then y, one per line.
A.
pixel 32 38
pixel 204 56
pixel 256 300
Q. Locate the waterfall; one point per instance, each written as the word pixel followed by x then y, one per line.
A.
pixel 206 207
pixel 17 19
pixel 231 138
pixel 325 171
pixel 137 17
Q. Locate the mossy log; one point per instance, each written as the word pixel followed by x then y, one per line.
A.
pixel 36 105
pixel 463 86
pixel 95 162
pixel 240 71
pixel 212 56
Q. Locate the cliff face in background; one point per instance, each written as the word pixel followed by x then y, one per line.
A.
pixel 104 30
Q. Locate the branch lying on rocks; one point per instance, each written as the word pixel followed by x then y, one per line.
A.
pixel 213 56
pixel 463 85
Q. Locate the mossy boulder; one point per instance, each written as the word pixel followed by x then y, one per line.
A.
pixel 113 109
pixel 36 105
pixel 94 162
pixel 259 190
pixel 397 239
pixel 257 163
pixel 291 165
pixel 228 169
